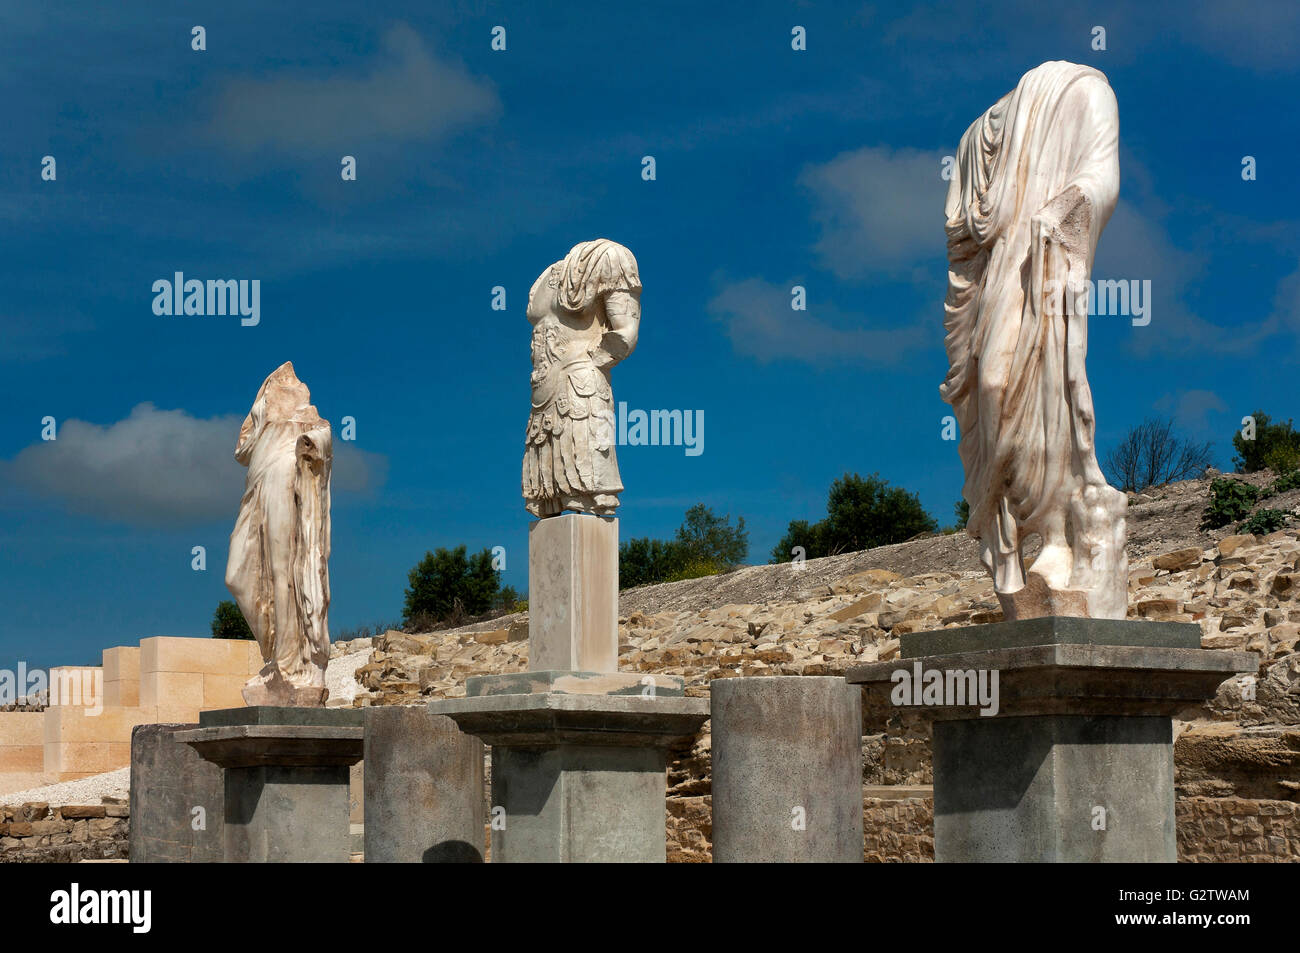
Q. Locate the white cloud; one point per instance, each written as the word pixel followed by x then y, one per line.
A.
pixel 158 468
pixel 1136 246
pixel 761 324
pixel 410 95
pixel 1192 408
pixel 1260 35
pixel 880 209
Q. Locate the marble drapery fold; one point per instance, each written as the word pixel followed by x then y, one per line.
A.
pixel 1036 180
pixel 278 569
pixel 586 314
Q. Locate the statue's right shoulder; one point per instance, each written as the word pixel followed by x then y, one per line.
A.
pixel 541 296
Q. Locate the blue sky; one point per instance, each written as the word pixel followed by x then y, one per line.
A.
pixel 478 168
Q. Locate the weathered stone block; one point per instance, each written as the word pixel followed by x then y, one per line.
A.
pixel 424 789
pixel 573 593
pixel 177 800
pixel 787 770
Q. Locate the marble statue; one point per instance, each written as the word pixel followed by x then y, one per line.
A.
pixel 1036 180
pixel 278 568
pixel 585 312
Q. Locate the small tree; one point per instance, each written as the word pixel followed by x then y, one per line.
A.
pixel 705 544
pixel 644 561
pixel 711 538
pixel 507 599
pixel 229 623
pixel 802 535
pixel 447 582
pixel 1276 446
pixel 1152 454
pixel 962 509
pixel 865 513
pixel 861 513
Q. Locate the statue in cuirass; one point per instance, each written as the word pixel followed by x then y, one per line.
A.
pixel 585 312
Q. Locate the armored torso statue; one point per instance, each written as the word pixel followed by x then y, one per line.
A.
pixel 585 312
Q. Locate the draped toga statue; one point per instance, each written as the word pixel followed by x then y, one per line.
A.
pixel 279 551
pixel 1036 180
pixel 585 312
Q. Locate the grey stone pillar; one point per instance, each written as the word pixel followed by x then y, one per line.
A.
pixel 1039 787
pixel 1068 756
pixel 576 777
pixel 787 770
pixel 579 749
pixel 573 593
pixel 424 790
pixel 286 780
pixel 177 800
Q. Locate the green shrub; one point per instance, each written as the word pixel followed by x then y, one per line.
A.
pixel 810 537
pixel 1264 522
pixel 1287 481
pixel 696 568
pixel 508 600
pixel 449 585
pixel 229 623
pixel 644 561
pixel 861 513
pixel 705 545
pixel 1276 446
pixel 1230 500
pixel 363 631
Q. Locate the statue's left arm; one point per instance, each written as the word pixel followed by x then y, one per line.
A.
pixel 315 447
pixel 623 322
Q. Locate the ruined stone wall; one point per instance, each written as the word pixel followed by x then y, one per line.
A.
pixel 1237 830
pixel 40 833
pixel 901 830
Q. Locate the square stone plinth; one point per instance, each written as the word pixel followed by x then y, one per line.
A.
pixel 576 683
pixel 1068 754
pixel 1050 630
pixel 578 777
pixel 1087 670
pixel 424 792
pixel 177 800
pixel 573 593
pixel 286 780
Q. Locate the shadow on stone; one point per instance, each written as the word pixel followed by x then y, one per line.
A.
pixel 453 852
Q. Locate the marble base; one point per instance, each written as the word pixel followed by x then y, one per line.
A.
pixel 578 777
pixel 1076 765
pixel 286 780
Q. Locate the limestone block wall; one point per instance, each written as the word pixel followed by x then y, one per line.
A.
pixel 22 749
pixel 122 676
pixel 81 685
pixel 164 679
pixel 87 728
pixel 181 677
pixel 78 742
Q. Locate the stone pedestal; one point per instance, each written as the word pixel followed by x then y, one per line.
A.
pixel 177 800
pixel 787 770
pixel 579 749
pixel 424 792
pixel 577 777
pixel 1074 762
pixel 573 593
pixel 286 780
